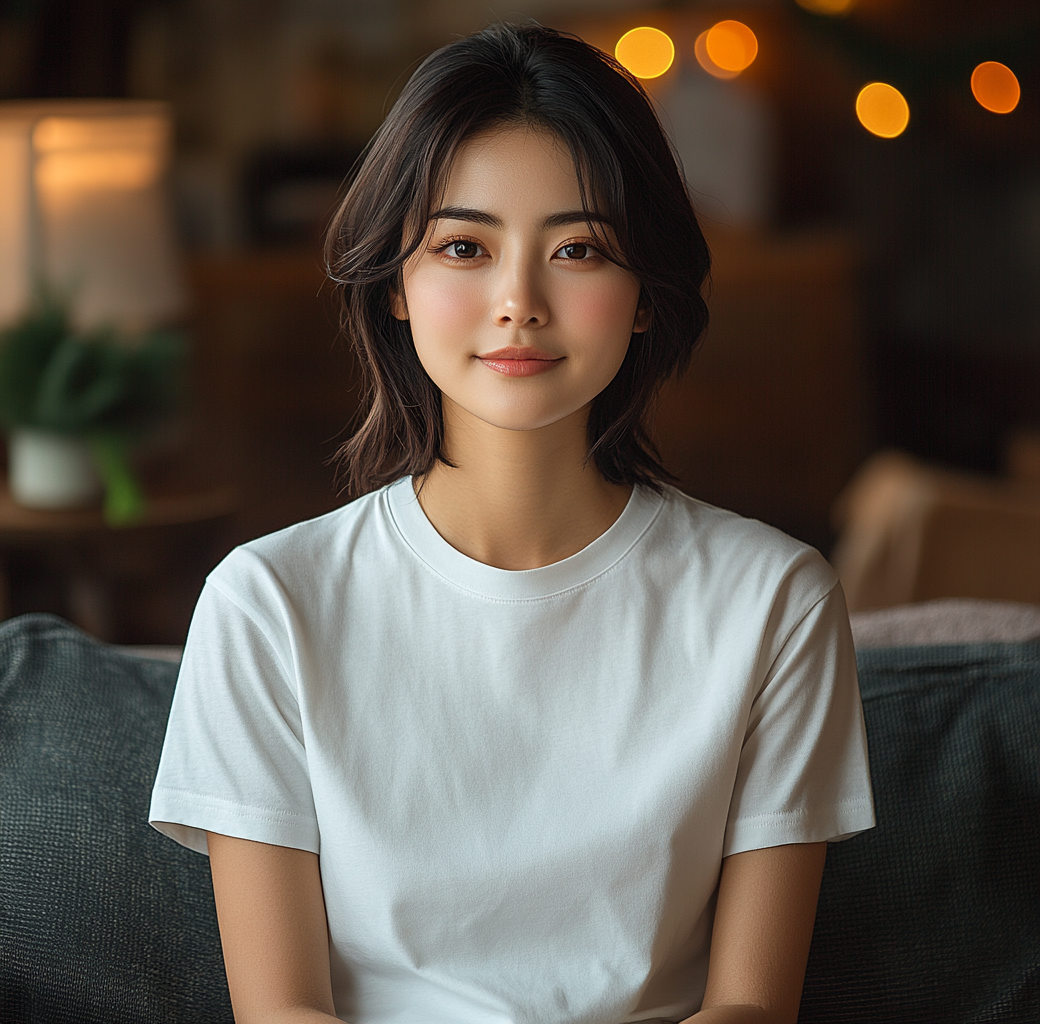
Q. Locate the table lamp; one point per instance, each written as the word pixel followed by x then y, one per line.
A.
pixel 84 212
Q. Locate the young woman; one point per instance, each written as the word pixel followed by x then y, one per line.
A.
pixel 523 734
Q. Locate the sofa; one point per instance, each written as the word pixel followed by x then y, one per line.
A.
pixel 934 916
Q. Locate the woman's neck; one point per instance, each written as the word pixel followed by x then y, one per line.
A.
pixel 519 499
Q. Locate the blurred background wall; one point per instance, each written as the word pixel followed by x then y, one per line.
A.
pixel 869 293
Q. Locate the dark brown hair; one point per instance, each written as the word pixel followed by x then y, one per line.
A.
pixel 515 75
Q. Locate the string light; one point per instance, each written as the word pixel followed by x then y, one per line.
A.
pixel 830 7
pixel 646 52
pixel 882 109
pixel 995 86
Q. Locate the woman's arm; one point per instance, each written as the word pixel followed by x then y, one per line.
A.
pixel 760 943
pixel 271 913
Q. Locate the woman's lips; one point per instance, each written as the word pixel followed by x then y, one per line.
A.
pixel 519 362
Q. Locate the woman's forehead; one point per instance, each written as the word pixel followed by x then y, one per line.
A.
pixel 510 162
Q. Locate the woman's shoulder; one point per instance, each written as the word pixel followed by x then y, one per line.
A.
pixel 718 543
pixel 297 557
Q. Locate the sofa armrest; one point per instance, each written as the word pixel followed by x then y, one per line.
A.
pixel 947 621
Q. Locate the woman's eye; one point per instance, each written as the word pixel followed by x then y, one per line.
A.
pixel 575 251
pixel 462 249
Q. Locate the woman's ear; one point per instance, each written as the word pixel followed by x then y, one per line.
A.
pixel 643 318
pixel 398 306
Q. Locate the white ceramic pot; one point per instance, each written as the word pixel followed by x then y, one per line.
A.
pixel 48 470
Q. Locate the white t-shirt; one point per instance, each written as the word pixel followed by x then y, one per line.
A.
pixel 521 784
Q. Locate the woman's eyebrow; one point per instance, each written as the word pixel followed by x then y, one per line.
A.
pixel 468 214
pixel 554 220
pixel 560 220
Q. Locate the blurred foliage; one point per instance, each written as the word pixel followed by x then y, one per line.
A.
pixel 98 385
pixel 55 378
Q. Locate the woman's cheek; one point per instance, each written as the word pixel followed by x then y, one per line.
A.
pixel 439 307
pixel 607 309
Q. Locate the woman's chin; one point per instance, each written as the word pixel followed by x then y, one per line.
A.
pixel 518 418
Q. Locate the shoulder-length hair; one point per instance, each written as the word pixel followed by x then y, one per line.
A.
pixel 626 170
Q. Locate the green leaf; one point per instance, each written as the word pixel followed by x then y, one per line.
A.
pixel 124 500
pixel 82 383
pixel 26 350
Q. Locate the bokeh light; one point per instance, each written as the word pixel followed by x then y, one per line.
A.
pixel 830 7
pixel 700 50
pixel 995 86
pixel 882 109
pixel 646 52
pixel 731 45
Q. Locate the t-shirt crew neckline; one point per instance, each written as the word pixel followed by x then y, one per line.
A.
pixel 520 584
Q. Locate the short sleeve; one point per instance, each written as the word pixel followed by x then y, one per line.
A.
pixel 803 775
pixel 234 759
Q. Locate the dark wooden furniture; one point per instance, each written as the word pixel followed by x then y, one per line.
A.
pixel 130 584
pixel 771 419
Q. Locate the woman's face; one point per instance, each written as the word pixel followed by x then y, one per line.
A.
pixel 516 315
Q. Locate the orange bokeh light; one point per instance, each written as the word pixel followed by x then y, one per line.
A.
pixel 882 109
pixel 700 50
pixel 646 52
pixel 995 86
pixel 731 45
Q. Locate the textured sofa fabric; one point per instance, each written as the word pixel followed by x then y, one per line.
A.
pixel 932 916
pixel 101 918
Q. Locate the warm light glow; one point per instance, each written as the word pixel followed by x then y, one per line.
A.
pixel 731 45
pixel 995 87
pixel 881 109
pixel 831 7
pixel 646 52
pixel 62 133
pixel 700 50
pixel 98 169
pixel 79 154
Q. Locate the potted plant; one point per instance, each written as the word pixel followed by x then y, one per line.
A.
pixel 74 403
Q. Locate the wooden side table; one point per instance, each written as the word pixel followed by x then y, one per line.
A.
pixel 100 565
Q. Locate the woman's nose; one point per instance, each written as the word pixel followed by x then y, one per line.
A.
pixel 520 299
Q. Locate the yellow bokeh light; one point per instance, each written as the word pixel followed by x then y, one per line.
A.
pixel 995 86
pixel 831 7
pixel 731 45
pixel 646 52
pixel 882 109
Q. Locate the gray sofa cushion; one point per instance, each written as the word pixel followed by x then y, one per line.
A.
pixel 934 915
pixel 101 918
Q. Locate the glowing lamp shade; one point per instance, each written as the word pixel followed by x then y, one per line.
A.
pixel 882 110
pixel 83 209
pixel 646 52
pixel 731 46
pixel 995 86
